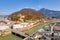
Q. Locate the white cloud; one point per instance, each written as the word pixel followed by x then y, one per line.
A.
pixel 39 7
pixel 5 12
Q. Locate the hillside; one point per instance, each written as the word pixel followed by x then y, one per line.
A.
pixel 50 13
pixel 26 14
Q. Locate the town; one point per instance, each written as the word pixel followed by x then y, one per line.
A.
pixel 47 32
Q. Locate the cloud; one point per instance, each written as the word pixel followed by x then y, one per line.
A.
pixel 5 12
pixel 39 7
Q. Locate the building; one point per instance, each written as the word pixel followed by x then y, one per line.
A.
pixel 4 29
pixel 20 26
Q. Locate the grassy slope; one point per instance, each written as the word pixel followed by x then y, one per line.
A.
pixel 10 37
pixel 34 29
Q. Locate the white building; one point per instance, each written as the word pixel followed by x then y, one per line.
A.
pixel 22 25
pixel 4 27
pixel 4 30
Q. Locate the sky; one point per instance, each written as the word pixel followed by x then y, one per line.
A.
pixel 7 7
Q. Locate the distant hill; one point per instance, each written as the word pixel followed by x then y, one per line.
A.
pixel 3 15
pixel 27 14
pixel 50 13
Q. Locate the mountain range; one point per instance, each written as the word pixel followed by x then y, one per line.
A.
pixel 33 14
pixel 50 13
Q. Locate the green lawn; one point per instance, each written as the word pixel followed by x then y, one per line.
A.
pixel 34 29
pixel 10 37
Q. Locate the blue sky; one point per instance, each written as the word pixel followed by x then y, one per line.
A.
pixel 9 6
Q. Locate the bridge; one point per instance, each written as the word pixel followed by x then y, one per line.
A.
pixel 16 32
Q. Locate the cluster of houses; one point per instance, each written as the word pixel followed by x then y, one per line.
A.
pixel 51 31
pixel 4 28
pixel 47 32
pixel 25 25
pixel 6 25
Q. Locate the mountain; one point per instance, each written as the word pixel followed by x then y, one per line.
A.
pixel 3 15
pixel 26 14
pixel 50 13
